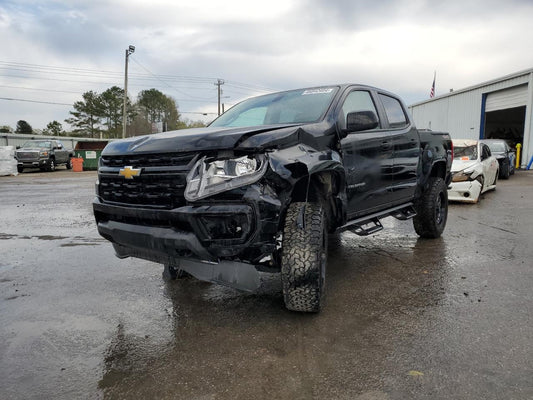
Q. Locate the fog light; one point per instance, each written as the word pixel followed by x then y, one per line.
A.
pixel 234 227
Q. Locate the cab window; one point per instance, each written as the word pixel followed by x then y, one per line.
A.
pixel 358 100
pixel 394 111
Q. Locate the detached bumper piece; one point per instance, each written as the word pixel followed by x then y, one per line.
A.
pixel 237 275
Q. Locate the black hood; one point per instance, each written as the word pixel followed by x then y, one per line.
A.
pixel 195 139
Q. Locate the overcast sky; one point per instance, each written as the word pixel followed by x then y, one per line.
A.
pixel 53 51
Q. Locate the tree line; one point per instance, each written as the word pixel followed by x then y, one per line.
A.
pixel 100 115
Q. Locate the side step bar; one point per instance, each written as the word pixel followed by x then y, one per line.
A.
pixel 368 228
pixel 370 224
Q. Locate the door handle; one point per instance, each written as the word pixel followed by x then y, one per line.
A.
pixel 385 145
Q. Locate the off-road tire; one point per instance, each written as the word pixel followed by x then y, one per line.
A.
pixel 304 256
pixel 20 169
pixel 69 163
pixel 432 209
pixel 171 273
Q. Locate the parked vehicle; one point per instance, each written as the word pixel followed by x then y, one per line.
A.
pixel 474 171
pixel 261 187
pixel 505 155
pixel 43 154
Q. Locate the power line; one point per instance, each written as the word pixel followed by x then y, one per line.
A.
pixel 68 104
pixel 96 73
pixel 211 100
pixel 37 68
pixel 39 89
pixel 36 101
pixel 166 83
pixel 29 71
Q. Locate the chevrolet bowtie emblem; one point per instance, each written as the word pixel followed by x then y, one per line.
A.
pixel 129 172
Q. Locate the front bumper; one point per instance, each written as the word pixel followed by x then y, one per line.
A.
pixel 221 230
pixel 41 163
pixel 467 191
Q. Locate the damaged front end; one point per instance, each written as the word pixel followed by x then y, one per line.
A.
pixel 216 216
pixel 466 186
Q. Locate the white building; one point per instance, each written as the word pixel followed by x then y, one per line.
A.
pixel 501 108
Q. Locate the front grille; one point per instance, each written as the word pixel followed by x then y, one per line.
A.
pixel 161 183
pixel 148 160
pixel 27 155
pixel 163 191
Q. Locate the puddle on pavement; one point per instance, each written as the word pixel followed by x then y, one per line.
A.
pixel 77 240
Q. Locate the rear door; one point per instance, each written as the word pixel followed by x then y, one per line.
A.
pixel 406 142
pixel 367 157
pixel 60 152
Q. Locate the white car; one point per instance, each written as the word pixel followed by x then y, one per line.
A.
pixel 474 171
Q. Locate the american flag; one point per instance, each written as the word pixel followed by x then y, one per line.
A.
pixel 432 92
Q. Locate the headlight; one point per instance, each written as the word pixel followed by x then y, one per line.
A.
pixel 209 178
pixel 462 176
pixel 43 153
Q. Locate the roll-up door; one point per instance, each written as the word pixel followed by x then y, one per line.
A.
pixel 508 98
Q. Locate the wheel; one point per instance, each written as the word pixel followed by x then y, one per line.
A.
pixel 51 165
pixel 505 171
pixel 432 209
pixel 304 257
pixel 171 273
pixel 20 169
pixel 69 163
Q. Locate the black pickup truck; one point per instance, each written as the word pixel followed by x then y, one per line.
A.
pixel 260 188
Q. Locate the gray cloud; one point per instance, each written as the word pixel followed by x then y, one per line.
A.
pixel 393 44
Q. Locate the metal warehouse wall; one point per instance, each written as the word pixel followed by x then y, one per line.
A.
pixel 460 112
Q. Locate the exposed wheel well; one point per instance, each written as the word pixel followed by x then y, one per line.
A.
pixel 439 170
pixel 320 187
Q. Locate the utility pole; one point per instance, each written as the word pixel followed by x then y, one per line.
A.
pixel 219 83
pixel 129 50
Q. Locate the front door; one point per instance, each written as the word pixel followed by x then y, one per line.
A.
pixel 367 158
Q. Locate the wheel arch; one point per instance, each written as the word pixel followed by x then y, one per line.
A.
pixel 327 187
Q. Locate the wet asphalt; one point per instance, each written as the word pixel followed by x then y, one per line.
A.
pixel 405 318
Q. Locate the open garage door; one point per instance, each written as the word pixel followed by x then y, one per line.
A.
pixel 505 114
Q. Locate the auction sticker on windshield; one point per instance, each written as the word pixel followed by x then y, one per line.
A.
pixel 317 91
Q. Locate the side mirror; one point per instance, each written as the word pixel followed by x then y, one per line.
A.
pixel 18 147
pixel 361 121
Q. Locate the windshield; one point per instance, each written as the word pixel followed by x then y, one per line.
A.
pixel 40 144
pixel 465 153
pixel 293 107
pixel 496 147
